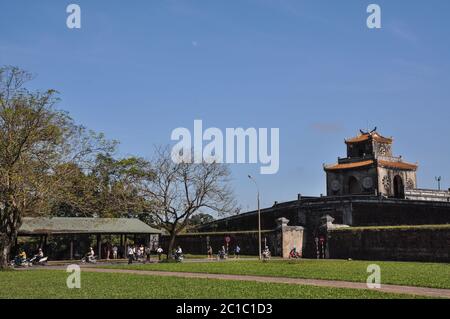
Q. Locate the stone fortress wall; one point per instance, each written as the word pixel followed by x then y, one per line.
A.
pixel 369 188
pixel 428 195
pixel 308 212
pixel 405 243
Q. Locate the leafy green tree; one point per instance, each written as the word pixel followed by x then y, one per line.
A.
pixel 41 148
pixel 110 188
pixel 198 220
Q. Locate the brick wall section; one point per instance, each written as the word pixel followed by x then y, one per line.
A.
pixel 292 236
pixel 413 243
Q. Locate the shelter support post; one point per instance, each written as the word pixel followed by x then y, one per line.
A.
pixel 71 248
pixel 99 246
pixel 124 246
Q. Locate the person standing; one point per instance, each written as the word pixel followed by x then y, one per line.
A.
pixel 108 250
pixel 210 252
pixel 114 250
pixel 135 252
pixel 237 251
pixel 159 251
pixel 130 255
pixel 148 251
pixel 142 251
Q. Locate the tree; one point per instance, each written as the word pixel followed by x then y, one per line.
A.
pixel 110 188
pixel 180 191
pixel 198 220
pixel 119 185
pixel 41 148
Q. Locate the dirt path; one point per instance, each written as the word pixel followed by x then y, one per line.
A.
pixel 420 291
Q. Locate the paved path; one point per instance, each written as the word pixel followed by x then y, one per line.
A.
pixel 429 292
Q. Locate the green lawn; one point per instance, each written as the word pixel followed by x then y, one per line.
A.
pixel 192 256
pixel 52 284
pixel 401 273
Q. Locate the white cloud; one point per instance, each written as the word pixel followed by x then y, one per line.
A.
pixel 402 31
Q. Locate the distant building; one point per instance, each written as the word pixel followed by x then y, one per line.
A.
pixel 370 168
pixel 369 188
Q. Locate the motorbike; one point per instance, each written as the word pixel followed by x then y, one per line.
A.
pixel 19 262
pixel 221 255
pixel 294 255
pixel 39 261
pixel 89 260
pixel 266 255
pixel 178 257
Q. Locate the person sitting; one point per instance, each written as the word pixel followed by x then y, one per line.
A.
pixel 266 253
pixel 38 256
pixel 178 252
pixel 222 253
pixel 21 257
pixel 91 255
pixel 294 254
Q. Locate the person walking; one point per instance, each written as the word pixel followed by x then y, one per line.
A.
pixel 108 250
pixel 130 255
pixel 237 251
pixel 142 251
pixel 210 252
pixel 159 251
pixel 114 250
pixel 148 251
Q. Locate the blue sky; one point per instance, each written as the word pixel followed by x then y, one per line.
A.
pixel 137 70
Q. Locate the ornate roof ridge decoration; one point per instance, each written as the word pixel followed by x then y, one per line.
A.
pixel 398 164
pixel 365 136
pixel 365 163
pixel 351 165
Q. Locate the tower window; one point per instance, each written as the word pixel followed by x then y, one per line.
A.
pixel 353 186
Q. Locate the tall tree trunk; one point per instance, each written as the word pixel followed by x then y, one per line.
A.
pixel 171 244
pixel 5 249
pixel 10 222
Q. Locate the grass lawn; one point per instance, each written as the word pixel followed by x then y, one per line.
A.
pixel 192 256
pixel 432 275
pixel 52 284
